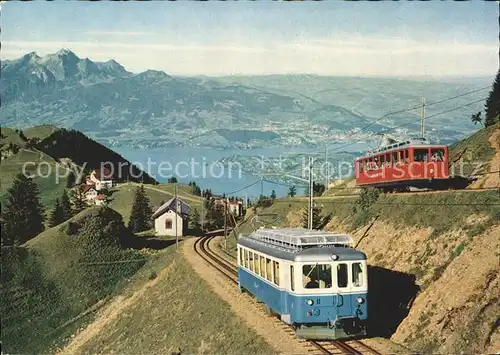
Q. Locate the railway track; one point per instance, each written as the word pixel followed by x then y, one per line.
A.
pixel 403 193
pixel 229 270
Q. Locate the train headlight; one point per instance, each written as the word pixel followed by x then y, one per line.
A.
pixel 310 302
pixel 334 257
pixel 360 299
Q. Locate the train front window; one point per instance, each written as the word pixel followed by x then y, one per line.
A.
pixel 357 275
pixel 437 154
pixel 342 275
pixel 421 155
pixel 317 276
pixel 394 159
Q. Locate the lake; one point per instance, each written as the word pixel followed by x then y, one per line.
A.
pixel 200 165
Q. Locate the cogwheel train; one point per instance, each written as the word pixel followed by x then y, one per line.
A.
pixel 401 166
pixel 313 280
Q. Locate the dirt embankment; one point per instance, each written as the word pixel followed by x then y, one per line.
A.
pixel 491 180
pixel 450 284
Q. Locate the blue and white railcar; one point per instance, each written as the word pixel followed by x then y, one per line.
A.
pixel 313 280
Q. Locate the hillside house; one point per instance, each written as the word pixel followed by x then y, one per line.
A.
pixel 90 195
pixel 89 192
pixel 101 178
pixel 235 207
pixel 171 218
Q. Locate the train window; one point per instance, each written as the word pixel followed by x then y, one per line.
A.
pixel 251 261
pixel 276 272
pixel 406 156
pixel 257 264
pixel 292 278
pixel 421 155
pixel 342 275
pixel 437 154
pixel 269 268
pixel 317 276
pixel 361 165
pixel 357 275
pixel 263 267
pixel 395 158
pixel 246 258
pixel 241 256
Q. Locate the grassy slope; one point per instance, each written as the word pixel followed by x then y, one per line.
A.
pixel 176 314
pixel 420 210
pixel 50 287
pixel 49 188
pixel 11 136
pixel 40 131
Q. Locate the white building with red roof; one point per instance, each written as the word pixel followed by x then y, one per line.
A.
pixel 90 195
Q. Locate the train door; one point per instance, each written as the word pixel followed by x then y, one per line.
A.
pixel 342 300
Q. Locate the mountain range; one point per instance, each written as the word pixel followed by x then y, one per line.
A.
pixel 154 109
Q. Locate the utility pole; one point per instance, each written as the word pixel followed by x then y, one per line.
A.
pixel 327 172
pixel 176 218
pixel 202 215
pixel 422 122
pixel 225 224
pixel 311 191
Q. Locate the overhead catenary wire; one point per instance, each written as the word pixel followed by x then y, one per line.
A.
pixel 407 110
pixel 369 125
pixel 438 114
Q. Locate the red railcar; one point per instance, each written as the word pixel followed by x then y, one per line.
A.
pixel 415 163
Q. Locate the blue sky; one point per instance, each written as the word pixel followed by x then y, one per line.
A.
pixel 262 37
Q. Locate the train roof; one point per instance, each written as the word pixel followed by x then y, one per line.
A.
pixel 298 244
pixel 413 142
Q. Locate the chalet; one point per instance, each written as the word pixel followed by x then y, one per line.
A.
pixel 171 218
pixel 89 192
pixel 90 195
pixel 235 207
pixel 101 178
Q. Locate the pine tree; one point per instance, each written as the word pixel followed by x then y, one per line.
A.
pixel 66 206
pixel 78 203
pixel 492 105
pixel 71 180
pixel 292 191
pixel 194 222
pixel 317 220
pixel 140 215
pixel 57 214
pixel 23 216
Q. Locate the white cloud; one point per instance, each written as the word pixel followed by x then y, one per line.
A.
pixel 118 33
pixel 340 55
